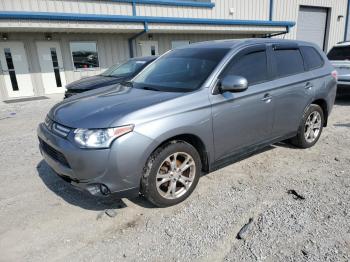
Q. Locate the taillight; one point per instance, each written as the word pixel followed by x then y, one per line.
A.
pixel 335 74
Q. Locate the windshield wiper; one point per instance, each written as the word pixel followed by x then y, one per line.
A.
pixel 127 83
pixel 149 88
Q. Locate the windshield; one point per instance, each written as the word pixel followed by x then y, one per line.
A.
pixel 339 53
pixel 181 70
pixel 128 68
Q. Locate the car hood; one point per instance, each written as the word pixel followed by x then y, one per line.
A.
pixel 104 107
pixel 93 82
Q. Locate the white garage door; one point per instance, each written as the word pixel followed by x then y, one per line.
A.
pixel 311 26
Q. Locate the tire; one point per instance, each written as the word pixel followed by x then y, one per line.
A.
pixel 162 183
pixel 304 139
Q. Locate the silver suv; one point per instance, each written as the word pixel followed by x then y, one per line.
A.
pixel 192 111
pixel 340 58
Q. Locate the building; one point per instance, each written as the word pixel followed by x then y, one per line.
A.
pixel 45 44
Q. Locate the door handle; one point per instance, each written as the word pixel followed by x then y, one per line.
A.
pixel 267 98
pixel 308 85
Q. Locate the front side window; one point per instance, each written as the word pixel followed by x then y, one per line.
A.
pixel 128 68
pixel 339 53
pixel 252 66
pixel 84 55
pixel 288 62
pixel 181 70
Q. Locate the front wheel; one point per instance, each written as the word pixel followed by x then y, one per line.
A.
pixel 310 128
pixel 171 174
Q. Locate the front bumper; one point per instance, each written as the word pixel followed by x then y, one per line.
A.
pixel 118 168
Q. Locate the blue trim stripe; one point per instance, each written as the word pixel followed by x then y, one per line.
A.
pixel 271 10
pixel 137 19
pixel 347 21
pixel 134 8
pixel 169 2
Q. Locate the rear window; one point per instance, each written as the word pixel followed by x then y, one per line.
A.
pixel 339 53
pixel 312 57
pixel 288 62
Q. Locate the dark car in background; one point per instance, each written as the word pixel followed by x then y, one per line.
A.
pixel 114 75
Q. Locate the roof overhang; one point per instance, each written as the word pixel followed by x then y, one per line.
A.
pixel 72 22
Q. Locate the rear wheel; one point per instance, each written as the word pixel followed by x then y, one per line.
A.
pixel 310 128
pixel 171 174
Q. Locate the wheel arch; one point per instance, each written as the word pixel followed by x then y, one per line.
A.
pixel 196 142
pixel 323 104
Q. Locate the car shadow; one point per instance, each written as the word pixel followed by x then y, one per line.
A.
pixel 84 200
pixel 74 196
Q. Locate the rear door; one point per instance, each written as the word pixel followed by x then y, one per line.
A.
pixel 245 118
pixel 293 88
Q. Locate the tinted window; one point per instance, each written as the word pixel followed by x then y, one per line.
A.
pixel 84 55
pixel 312 58
pixel 288 62
pixel 252 66
pixel 181 70
pixel 126 69
pixel 339 53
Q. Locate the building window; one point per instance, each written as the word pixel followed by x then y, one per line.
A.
pixel 84 55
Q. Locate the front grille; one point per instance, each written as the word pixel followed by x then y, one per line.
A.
pixel 56 128
pixel 53 153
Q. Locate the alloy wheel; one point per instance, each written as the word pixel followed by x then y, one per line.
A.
pixel 312 127
pixel 175 175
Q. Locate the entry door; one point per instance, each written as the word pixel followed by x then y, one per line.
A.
pixel 312 24
pixel 51 64
pixel 14 68
pixel 243 119
pixel 149 48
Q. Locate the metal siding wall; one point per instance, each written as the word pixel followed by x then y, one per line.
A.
pixel 288 10
pixel 68 6
pixel 243 9
pixel 164 40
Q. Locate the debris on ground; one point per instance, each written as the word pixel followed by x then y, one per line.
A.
pixel 244 230
pixel 296 195
pixel 337 159
pixel 111 212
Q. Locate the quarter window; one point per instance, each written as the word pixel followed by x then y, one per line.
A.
pixel 252 66
pixel 288 62
pixel 312 58
pixel 84 55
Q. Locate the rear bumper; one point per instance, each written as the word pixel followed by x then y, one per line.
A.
pixel 343 87
pixel 118 168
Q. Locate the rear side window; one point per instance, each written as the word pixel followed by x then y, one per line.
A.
pixel 252 66
pixel 288 62
pixel 339 53
pixel 312 57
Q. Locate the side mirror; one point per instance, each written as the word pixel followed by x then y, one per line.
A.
pixel 233 84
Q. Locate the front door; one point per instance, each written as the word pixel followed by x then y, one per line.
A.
pixel 15 70
pixel 51 64
pixel 244 119
pixel 149 48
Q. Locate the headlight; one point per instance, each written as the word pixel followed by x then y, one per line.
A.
pixel 100 138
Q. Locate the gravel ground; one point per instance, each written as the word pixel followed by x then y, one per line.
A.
pixel 42 218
